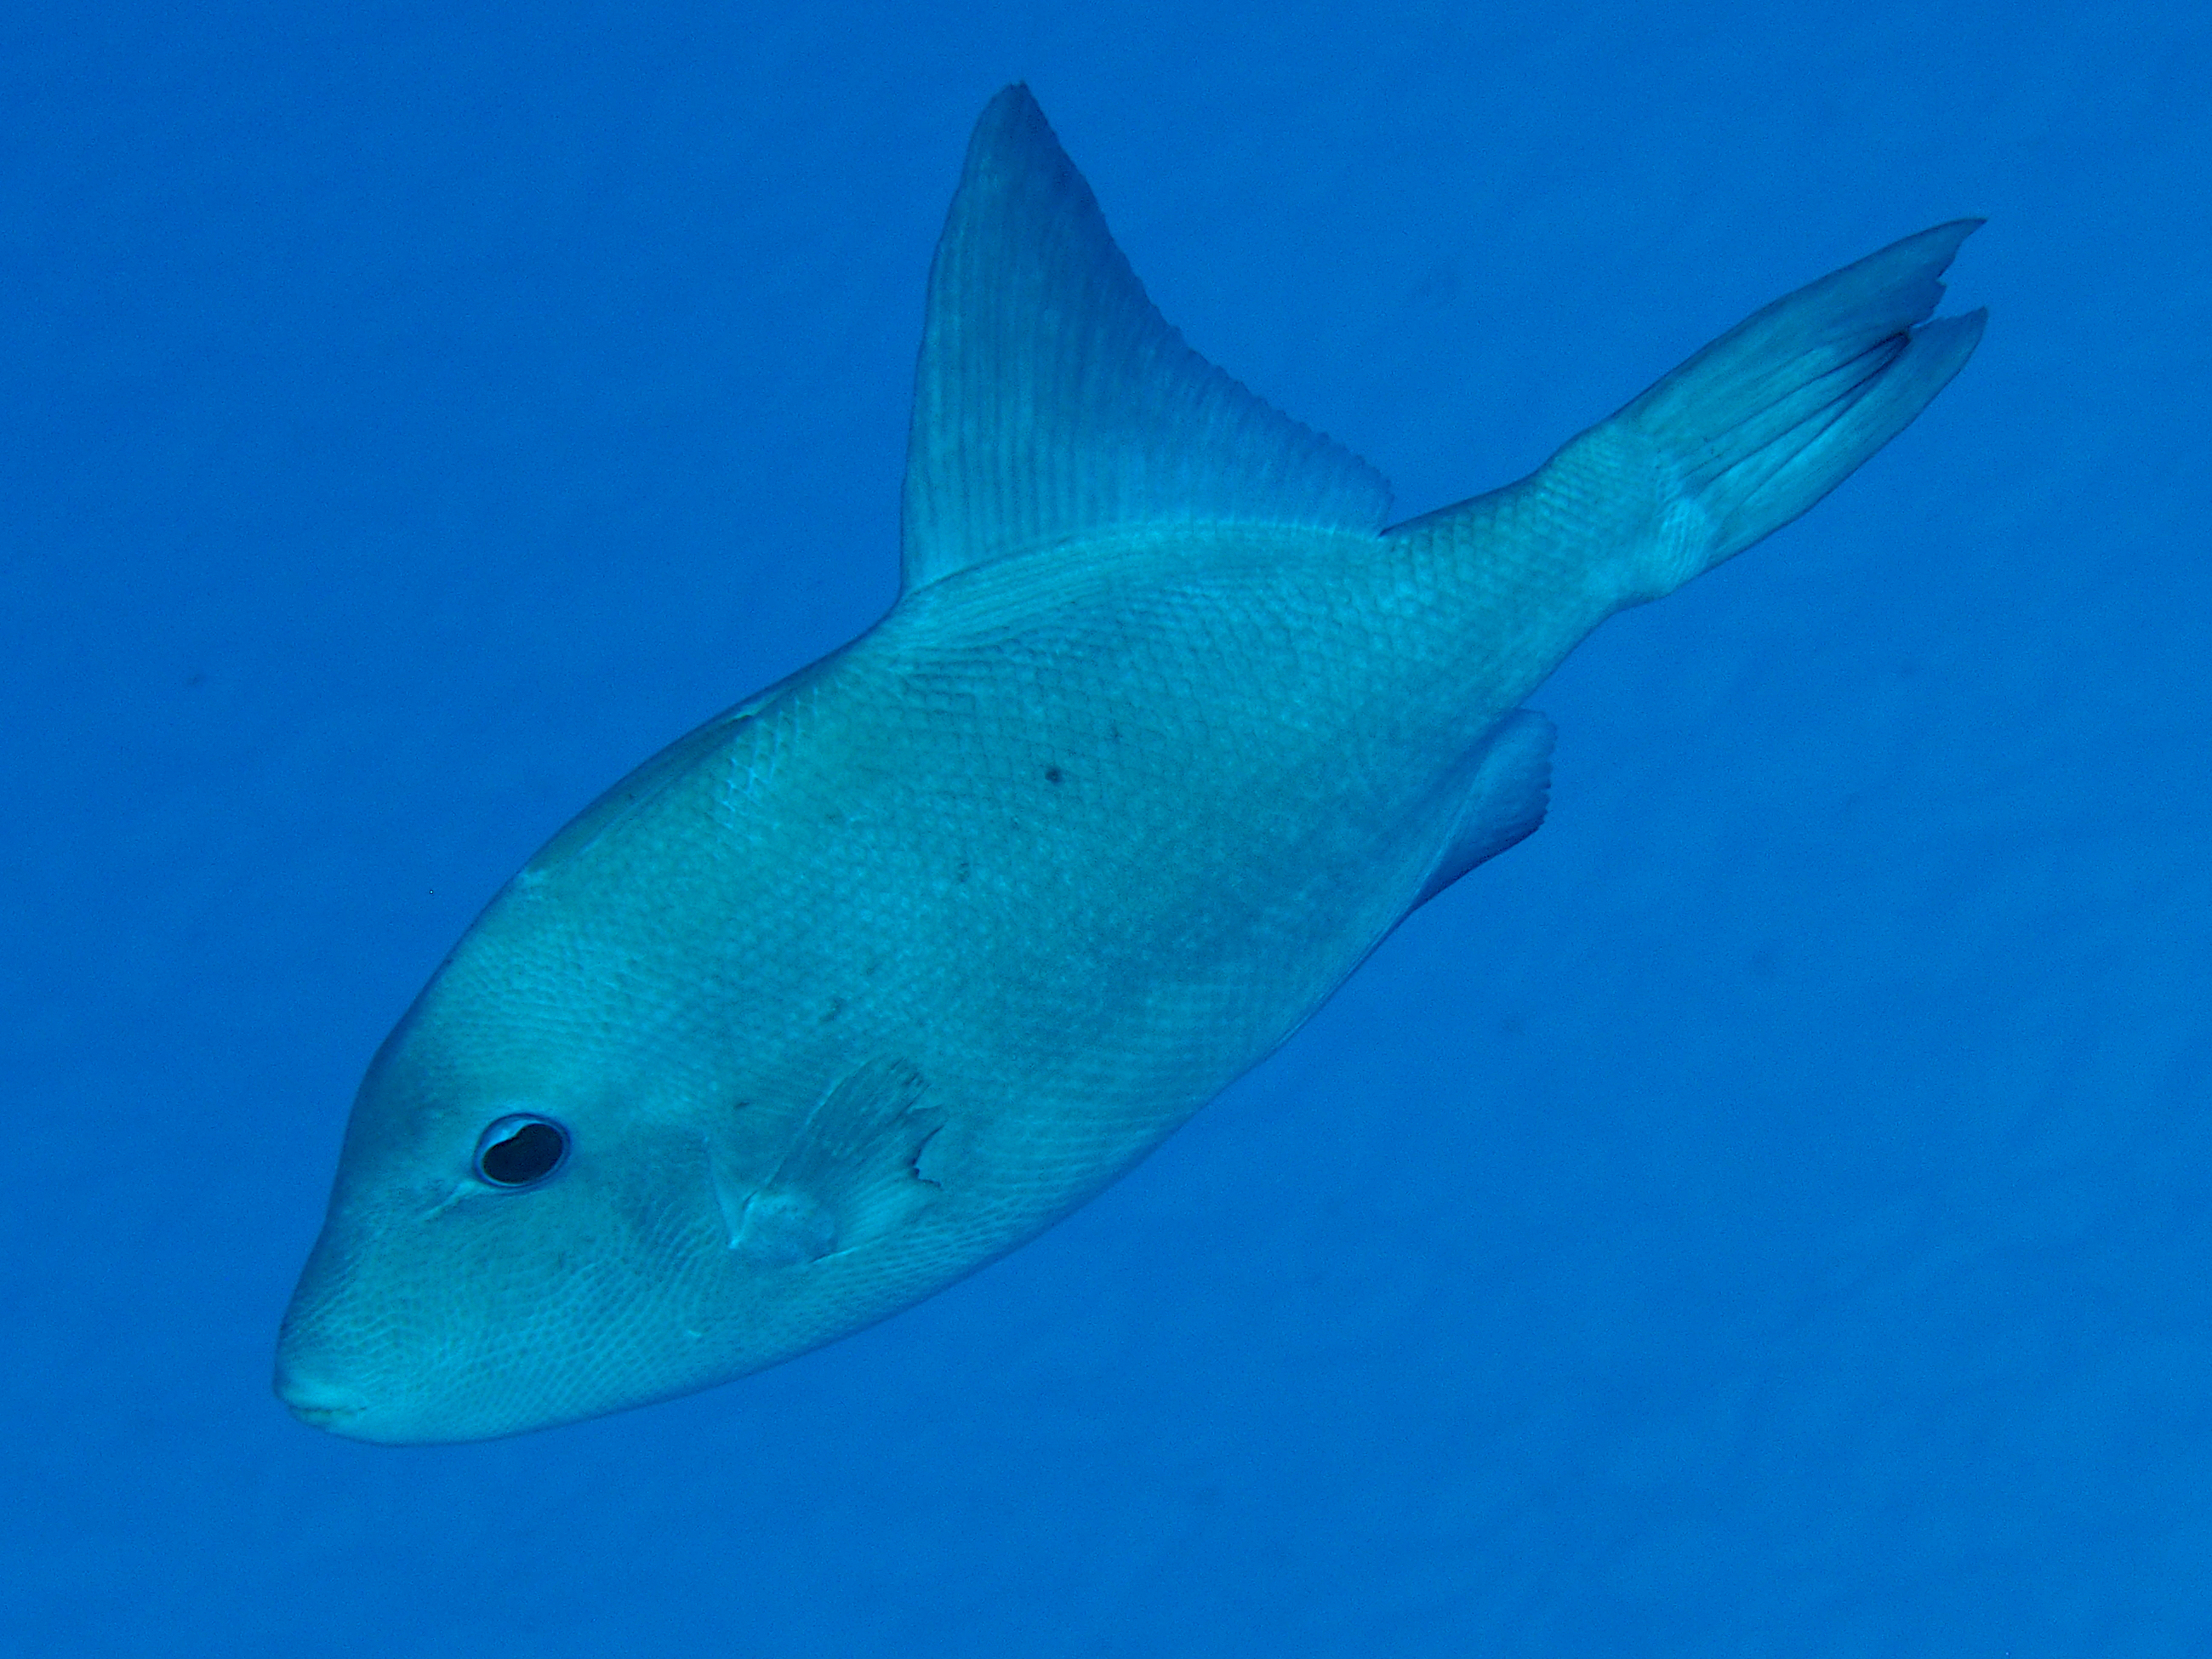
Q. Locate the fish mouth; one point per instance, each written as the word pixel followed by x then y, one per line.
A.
pixel 318 1404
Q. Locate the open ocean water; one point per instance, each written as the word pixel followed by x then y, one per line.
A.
pixel 1768 1213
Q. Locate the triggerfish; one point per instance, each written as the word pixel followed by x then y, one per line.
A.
pixel 879 974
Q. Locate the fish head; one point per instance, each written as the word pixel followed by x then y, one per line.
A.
pixel 511 1241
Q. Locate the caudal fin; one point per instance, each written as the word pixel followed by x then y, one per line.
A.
pixel 1734 444
pixel 1784 407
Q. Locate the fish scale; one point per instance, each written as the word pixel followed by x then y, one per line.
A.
pixel 876 976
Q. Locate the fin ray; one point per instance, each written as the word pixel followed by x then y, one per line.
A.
pixel 1745 436
pixel 849 1175
pixel 1770 417
pixel 1504 803
pixel 1052 400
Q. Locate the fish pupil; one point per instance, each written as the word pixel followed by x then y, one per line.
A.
pixel 521 1151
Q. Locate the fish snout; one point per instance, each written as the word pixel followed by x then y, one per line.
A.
pixel 320 1376
pixel 316 1402
pixel 321 1401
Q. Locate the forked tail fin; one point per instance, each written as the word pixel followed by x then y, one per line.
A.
pixel 1744 436
pixel 1785 405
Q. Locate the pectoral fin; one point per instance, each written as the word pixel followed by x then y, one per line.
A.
pixel 848 1176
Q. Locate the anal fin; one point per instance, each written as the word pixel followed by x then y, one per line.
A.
pixel 1505 799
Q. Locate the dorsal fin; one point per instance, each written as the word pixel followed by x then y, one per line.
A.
pixel 1052 400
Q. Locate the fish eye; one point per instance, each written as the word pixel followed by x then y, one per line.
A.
pixel 521 1151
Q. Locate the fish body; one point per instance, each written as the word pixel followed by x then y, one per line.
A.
pixel 875 977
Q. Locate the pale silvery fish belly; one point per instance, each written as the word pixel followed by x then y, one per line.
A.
pixel 874 977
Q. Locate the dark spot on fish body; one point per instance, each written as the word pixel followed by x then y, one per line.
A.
pixel 1051 775
pixel 914 1163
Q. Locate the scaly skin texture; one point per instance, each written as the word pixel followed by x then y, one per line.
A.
pixel 1080 836
pixel 863 984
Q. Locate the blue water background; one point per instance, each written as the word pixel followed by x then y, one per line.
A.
pixel 1767 1213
